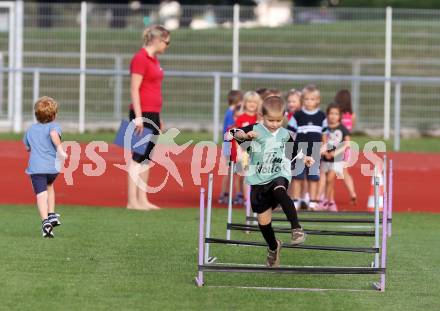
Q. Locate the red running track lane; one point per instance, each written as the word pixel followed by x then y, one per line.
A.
pixel 415 176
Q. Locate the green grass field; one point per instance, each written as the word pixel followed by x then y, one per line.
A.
pixel 114 259
pixel 421 144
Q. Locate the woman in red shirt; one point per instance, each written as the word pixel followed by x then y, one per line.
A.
pixel 146 104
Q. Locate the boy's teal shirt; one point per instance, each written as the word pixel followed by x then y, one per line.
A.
pixel 267 156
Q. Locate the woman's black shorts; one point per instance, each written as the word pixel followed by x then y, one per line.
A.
pixel 262 196
pixel 155 119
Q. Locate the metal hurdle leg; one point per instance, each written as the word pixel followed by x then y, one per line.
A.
pixel 390 198
pixel 199 278
pixel 383 263
pixel 208 219
pixel 376 215
pixel 231 181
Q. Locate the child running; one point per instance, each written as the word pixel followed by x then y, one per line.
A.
pixel 43 141
pixel 337 138
pixel 269 173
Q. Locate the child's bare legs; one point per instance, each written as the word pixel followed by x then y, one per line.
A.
pixel 239 184
pixel 297 187
pixel 50 199
pixel 265 218
pixel 322 185
pixel 141 194
pixel 348 182
pixel 313 190
pixel 42 204
pixel 329 192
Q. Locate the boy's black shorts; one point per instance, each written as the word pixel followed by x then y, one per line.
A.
pixel 262 196
pixel 41 181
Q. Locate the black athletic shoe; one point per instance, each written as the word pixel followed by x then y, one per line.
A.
pixel 47 229
pixel 273 257
pixel 54 220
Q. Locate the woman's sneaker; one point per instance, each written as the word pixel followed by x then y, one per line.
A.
pixel 298 236
pixel 47 229
pixel 273 257
pixel 54 220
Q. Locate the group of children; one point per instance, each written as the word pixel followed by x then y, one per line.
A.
pixel 320 138
pixel 325 136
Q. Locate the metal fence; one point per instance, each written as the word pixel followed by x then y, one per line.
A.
pixel 278 40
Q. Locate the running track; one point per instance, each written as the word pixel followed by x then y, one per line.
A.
pixel 415 179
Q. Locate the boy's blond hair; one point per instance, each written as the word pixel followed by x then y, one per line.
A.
pixel 251 96
pixel 273 105
pixel 311 88
pixel 46 109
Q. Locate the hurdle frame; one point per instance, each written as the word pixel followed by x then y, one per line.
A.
pixel 205 266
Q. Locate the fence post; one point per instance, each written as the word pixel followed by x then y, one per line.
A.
pixel 397 104
pixel 11 61
pixel 18 83
pixel 216 107
pixel 236 47
pixel 355 86
pixel 82 77
pixel 2 65
pixel 35 88
pixel 118 88
pixel 388 60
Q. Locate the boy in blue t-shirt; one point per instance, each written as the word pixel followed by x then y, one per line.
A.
pixel 43 141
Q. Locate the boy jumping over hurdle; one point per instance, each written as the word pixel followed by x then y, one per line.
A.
pixel 269 173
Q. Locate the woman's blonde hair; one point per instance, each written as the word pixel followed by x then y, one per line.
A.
pixel 252 96
pixel 153 32
pixel 46 109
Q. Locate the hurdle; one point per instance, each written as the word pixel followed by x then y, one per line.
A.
pixel 334 219
pixel 379 251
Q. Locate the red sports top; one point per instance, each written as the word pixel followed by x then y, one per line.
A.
pixel 245 120
pixel 242 121
pixel 150 90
